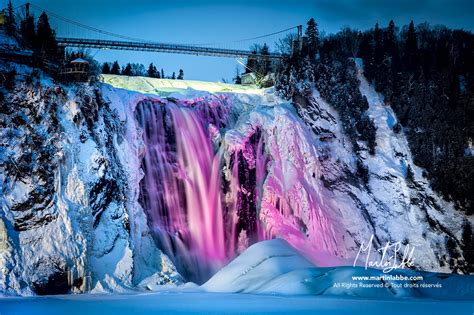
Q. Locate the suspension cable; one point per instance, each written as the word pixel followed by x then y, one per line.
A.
pixel 94 29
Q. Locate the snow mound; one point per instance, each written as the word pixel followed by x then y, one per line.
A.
pixel 274 267
pixel 256 266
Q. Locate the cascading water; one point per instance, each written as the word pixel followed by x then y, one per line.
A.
pixel 182 190
pixel 206 201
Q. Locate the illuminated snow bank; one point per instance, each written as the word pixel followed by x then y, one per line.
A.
pixel 274 267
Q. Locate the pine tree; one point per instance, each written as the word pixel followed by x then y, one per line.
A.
pixel 264 63
pixel 390 61
pixel 115 68
pixel 365 50
pixel 251 65
pixel 152 72
pixel 127 70
pixel 378 45
pixel 181 74
pixel 45 36
pixel 173 77
pixel 27 30
pixel 411 47
pixel 377 57
pixel 312 35
pixel 237 78
pixel 390 43
pixel 106 68
pixel 10 23
pixel 162 73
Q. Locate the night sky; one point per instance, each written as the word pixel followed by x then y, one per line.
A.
pixel 209 21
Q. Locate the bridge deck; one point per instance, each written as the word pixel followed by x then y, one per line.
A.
pixel 160 47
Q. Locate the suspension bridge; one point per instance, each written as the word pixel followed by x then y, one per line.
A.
pixel 94 39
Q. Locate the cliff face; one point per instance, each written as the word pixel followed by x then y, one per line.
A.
pixel 84 207
pixel 70 217
pixel 396 203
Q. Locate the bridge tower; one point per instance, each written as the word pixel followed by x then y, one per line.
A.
pixel 297 44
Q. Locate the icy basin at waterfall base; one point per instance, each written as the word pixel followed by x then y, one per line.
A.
pixel 224 303
pixel 272 277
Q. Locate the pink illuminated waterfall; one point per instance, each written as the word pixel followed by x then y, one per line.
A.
pixel 182 187
pixel 206 202
pixel 199 170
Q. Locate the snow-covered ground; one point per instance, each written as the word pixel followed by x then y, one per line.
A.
pixel 269 277
pixel 274 267
pixel 164 87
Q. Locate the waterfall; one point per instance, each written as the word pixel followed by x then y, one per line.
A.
pixel 182 189
pixel 207 200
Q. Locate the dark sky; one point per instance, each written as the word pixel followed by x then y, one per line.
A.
pixel 211 21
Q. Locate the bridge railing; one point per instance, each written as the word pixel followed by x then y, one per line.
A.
pixel 161 47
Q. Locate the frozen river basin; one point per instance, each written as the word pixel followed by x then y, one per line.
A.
pixel 223 303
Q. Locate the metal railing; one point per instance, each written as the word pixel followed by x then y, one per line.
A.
pixel 161 47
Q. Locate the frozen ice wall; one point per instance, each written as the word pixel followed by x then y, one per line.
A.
pixel 218 179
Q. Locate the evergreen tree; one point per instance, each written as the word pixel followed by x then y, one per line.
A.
pixel 264 62
pixel 162 73
pixel 390 41
pixel 45 37
pixel 127 70
pixel 152 72
pixel 365 46
pixel 27 30
pixel 10 23
pixel 181 74
pixel 137 69
pixel 312 36
pixel 115 68
pixel 378 45
pixel 173 77
pixel 375 69
pixel 411 47
pixel 383 58
pixel 237 79
pixel 106 68
pixel 251 65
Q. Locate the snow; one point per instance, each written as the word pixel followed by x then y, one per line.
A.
pixel 8 42
pixel 174 88
pixel 274 267
pixel 391 160
pixel 21 191
pixel 285 283
pixel 107 257
pixel 79 60
pixel 251 269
